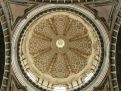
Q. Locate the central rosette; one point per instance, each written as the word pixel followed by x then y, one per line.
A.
pixel 61 47
pixel 60 43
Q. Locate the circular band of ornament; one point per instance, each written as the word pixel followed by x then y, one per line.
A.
pixel 60 45
pixel 59 1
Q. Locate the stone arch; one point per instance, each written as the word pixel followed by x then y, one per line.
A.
pixel 113 49
pixel 7 57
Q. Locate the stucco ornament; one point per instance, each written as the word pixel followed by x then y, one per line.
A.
pixel 59 46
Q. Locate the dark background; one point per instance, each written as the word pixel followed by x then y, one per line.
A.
pixel 2 54
pixel 118 58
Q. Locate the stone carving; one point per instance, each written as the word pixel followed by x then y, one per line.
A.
pixel 61 46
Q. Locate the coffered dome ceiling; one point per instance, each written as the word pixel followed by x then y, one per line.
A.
pixel 59 47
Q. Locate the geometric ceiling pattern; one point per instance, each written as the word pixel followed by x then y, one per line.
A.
pixel 65 45
pixel 60 46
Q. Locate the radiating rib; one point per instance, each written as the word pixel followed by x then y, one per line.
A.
pixel 67 62
pixel 79 53
pixel 78 37
pixel 52 25
pixel 40 52
pixel 51 64
pixel 67 27
pixel 42 36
